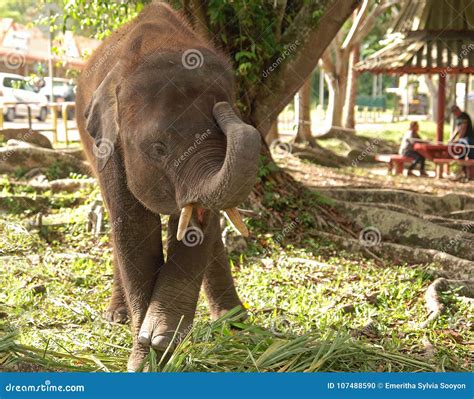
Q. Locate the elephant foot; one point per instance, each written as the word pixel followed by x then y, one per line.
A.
pixel 162 336
pixel 221 309
pixel 239 316
pixel 116 313
pixel 136 360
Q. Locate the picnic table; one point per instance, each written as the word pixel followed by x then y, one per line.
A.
pixel 432 151
pixel 442 156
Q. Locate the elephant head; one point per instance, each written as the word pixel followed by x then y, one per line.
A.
pixel 182 144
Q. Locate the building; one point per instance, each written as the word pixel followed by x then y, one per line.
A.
pixel 25 50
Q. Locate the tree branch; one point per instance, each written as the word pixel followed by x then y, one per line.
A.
pixel 199 11
pixel 308 43
pixel 280 6
pixel 327 63
pixel 357 22
pixel 371 20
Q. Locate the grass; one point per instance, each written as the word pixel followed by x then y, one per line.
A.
pixel 393 131
pixel 390 132
pixel 340 313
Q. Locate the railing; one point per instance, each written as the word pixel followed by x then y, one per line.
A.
pixel 55 108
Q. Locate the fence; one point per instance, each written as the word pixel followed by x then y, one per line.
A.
pixel 55 108
pixel 288 124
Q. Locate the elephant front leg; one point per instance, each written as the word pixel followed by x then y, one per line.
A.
pixel 137 243
pixel 176 292
pixel 219 284
pixel 117 311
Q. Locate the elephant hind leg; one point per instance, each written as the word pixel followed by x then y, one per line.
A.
pixel 219 284
pixel 117 311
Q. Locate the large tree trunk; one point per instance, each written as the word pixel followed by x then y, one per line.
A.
pixel 350 105
pixel 272 134
pixel 331 98
pixel 280 87
pixel 335 100
pixel 336 77
pixel 338 108
pixel 304 133
pixel 344 49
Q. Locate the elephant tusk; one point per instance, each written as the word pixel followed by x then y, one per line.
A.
pixel 233 216
pixel 184 219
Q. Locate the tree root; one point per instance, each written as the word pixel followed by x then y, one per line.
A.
pixel 447 205
pixel 20 203
pixel 31 157
pixel 450 266
pixel 457 224
pixel 358 144
pixel 467 214
pixel 433 298
pixel 409 230
pixel 319 155
pixel 27 136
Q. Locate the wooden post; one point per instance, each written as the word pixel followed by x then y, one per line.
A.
pixel 54 110
pixel 296 104
pixel 466 93
pixel 64 116
pixel 321 88
pixel 30 123
pixel 441 107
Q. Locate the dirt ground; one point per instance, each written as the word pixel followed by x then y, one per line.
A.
pixel 375 176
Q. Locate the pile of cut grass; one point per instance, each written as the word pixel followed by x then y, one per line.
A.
pixel 226 346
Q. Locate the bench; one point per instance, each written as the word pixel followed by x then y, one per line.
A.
pixel 440 162
pixel 394 160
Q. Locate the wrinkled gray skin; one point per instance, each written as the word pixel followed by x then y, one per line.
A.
pixel 139 112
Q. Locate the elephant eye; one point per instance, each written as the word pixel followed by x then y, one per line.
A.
pixel 157 149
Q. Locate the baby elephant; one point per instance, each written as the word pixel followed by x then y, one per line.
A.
pixel 156 118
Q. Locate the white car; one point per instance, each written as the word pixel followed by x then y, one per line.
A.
pixel 63 89
pixel 15 90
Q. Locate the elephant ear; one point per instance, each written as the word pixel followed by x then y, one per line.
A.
pixel 102 119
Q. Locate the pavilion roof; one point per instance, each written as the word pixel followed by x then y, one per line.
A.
pixel 428 36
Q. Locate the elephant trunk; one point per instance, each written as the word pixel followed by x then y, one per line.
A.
pixel 232 184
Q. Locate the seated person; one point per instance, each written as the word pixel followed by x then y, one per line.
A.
pixel 406 149
pixel 463 129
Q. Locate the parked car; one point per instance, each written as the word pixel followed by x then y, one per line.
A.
pixel 16 89
pixel 63 90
